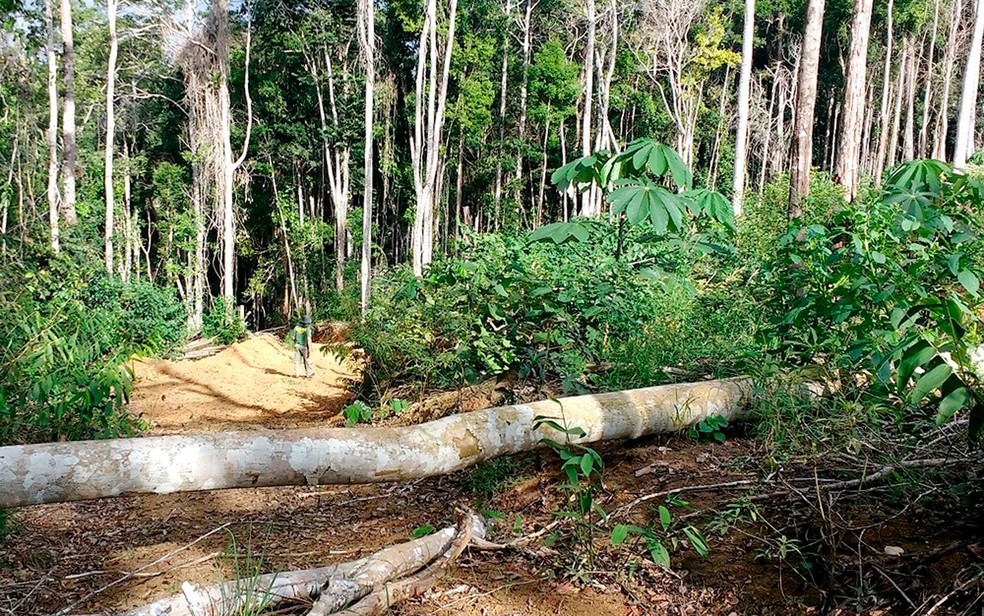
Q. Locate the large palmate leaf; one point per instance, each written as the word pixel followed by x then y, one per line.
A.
pixel 641 200
pixel 561 232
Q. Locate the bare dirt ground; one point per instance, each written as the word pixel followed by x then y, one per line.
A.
pixel 105 556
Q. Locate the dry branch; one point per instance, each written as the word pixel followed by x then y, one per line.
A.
pixel 381 579
pixel 62 472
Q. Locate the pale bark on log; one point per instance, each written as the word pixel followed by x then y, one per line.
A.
pixel 62 472
pixel 333 587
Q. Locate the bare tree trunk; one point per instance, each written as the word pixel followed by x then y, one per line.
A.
pixel 768 137
pixel 893 136
pixel 966 121
pixel 110 132
pixel 52 134
pixel 503 85
pixel 425 143
pixel 69 148
pixel 928 89
pixel 367 37
pixel 712 174
pixel 885 116
pixel 847 165
pixel 84 470
pixel 949 61
pixel 527 50
pixel 744 87
pixel 588 201
pixel 806 99
pixel 543 171
pixel 909 136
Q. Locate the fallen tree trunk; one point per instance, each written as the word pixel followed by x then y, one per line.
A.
pixel 366 586
pixel 62 472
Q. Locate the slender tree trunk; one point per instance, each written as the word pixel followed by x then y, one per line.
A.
pixel 220 10
pixel 886 117
pixel 949 61
pixel 426 141
pixel 543 171
pixel 928 87
pixel 806 99
pixel 766 161
pixel 909 136
pixel 526 47
pixel 110 132
pixel 744 87
pixel 588 201
pixel 847 164
pixel 966 121
pixel 893 136
pixel 503 85
pixel 52 134
pixel 367 31
pixel 69 148
pixel 719 131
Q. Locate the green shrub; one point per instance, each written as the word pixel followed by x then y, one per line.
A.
pixel 222 323
pixel 765 216
pixel 63 368
pixel 890 288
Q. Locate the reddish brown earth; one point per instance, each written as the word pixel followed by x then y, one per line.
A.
pixel 82 554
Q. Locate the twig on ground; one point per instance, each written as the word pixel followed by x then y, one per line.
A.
pixel 885 575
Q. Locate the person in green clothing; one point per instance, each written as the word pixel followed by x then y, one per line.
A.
pixel 301 336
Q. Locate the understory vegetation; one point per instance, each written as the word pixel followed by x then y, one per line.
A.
pixel 70 332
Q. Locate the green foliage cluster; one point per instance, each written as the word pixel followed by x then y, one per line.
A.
pixel 573 311
pixel 222 323
pixel 592 302
pixel 890 287
pixel 68 335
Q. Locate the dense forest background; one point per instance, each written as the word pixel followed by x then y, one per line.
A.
pixel 221 153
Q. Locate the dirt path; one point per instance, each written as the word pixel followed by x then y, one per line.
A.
pixel 246 386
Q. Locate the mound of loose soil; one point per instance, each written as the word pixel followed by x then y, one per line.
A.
pixel 245 386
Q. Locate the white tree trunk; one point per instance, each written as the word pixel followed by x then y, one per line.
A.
pixel 426 156
pixel 847 164
pixel 367 37
pixel 69 148
pixel 928 91
pixel 886 117
pixel 52 133
pixel 526 46
pixel 61 472
pixel 744 86
pixel 949 60
pixel 966 121
pixel 110 133
pixel 588 204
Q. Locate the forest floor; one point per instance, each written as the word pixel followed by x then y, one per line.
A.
pixel 118 553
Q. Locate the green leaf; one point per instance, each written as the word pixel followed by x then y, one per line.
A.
pixel 665 518
pixel 697 540
pixel 619 534
pixel 957 399
pixel 587 464
pixel 930 382
pixel 659 554
pixel 915 356
pixel 421 531
pixel 969 281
